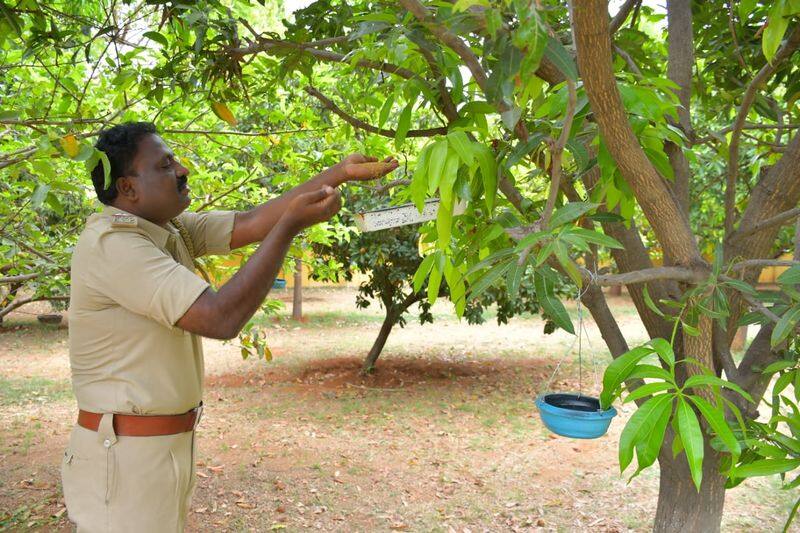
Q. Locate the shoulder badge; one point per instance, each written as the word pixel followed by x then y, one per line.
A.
pixel 122 220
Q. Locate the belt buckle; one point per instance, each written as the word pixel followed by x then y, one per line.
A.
pixel 198 415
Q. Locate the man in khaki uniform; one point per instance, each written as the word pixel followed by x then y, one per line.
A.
pixel 137 311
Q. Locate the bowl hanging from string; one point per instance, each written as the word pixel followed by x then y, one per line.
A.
pixel 573 414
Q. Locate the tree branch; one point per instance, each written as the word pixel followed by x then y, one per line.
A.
pixel 684 275
pixel 20 278
pixel 680 40
pixel 242 133
pixel 590 22
pixel 356 123
pixel 622 15
pixel 272 45
pixel 761 263
pixel 19 302
pixel 466 54
pixel 557 152
pixel 445 102
pixel 766 72
pixel 778 219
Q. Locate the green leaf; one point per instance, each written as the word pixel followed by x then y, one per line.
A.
pixel 567 264
pixel 650 303
pixel 716 419
pixel 386 108
pixel 745 8
pixel 490 259
pixel 742 287
pixel 544 253
pixel 11 17
pixel 422 272
pixel 157 37
pixel 444 225
pixel 514 277
pixel 664 350
pixel 569 212
pixel 595 237
pixel 785 326
pixel 766 467
pixel 491 276
pixel 579 153
pixel 790 276
pixel 647 450
pixel 550 304
pixel 651 371
pixel 435 281
pixel 618 371
pixel 488 174
pixel 106 168
pixel 436 163
pixel 39 195
pixel 449 175
pixel 692 438
pixel 462 146
pixel 714 381
pixel 641 425
pixel 777 366
pixel 530 240
pixel 403 125
pixel 677 444
pixel 560 57
pixel 419 182
pixel 774 31
pixel 646 390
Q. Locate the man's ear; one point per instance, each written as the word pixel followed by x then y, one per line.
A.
pixel 126 188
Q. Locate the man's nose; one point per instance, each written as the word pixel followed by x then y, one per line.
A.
pixel 182 171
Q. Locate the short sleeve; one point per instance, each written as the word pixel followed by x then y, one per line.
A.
pixel 210 231
pixel 129 269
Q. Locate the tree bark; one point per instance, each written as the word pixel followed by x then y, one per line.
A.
pixel 377 347
pixel 681 508
pixel 593 43
pixel 776 192
pixel 297 292
pixel 679 69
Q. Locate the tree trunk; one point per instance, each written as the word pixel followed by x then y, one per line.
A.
pixel 380 342
pixel 297 292
pixel 680 507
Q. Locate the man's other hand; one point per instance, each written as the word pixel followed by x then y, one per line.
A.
pixel 313 207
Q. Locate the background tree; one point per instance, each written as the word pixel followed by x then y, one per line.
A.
pixel 389 259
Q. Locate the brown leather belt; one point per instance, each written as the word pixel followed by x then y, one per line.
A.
pixel 143 425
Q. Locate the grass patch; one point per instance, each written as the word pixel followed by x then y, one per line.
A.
pixel 33 390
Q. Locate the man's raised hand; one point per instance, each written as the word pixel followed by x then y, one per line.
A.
pixel 358 167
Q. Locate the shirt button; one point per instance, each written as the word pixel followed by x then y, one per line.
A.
pixel 107 443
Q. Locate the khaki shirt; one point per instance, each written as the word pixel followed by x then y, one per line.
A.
pixel 131 281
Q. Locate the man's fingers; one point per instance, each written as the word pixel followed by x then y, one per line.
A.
pixel 318 195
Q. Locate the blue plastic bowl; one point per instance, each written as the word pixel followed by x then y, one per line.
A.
pixel 573 415
pixel 279 283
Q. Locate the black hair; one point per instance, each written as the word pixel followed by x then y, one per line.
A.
pixel 119 144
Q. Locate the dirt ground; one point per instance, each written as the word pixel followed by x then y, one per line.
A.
pixel 443 437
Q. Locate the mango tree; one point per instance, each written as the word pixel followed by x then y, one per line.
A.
pixel 571 132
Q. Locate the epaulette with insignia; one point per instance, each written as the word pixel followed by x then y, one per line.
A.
pixel 123 220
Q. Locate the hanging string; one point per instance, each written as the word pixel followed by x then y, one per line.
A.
pixel 580 345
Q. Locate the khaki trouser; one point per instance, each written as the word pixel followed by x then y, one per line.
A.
pixel 137 484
